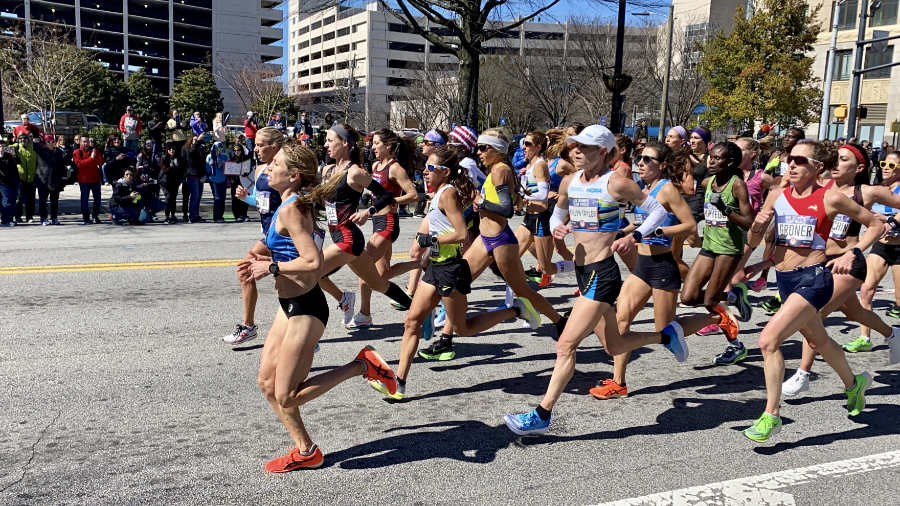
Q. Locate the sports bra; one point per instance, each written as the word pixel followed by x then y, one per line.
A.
pixel 383 176
pixel 801 222
pixel 843 226
pixel 591 207
pixel 640 215
pixel 555 179
pixel 438 223
pixel 344 205
pixel 282 248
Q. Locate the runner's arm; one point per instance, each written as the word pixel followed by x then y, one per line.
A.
pixel 671 197
pixel 743 218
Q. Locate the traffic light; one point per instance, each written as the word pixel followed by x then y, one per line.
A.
pixel 840 112
pixel 862 112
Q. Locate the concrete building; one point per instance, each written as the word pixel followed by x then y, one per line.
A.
pixel 696 20
pixel 163 37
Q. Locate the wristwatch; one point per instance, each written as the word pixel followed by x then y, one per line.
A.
pixel 273 269
pixel 372 210
pixel 637 236
pixel 658 232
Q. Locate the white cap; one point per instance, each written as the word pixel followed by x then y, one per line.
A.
pixel 594 135
pixel 249 114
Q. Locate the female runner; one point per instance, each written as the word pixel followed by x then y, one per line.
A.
pixel 535 229
pixel 296 263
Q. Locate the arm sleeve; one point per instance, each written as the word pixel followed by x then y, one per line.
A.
pixel 251 196
pixel 657 215
pixel 382 197
pixel 542 192
pixel 558 217
pixel 505 207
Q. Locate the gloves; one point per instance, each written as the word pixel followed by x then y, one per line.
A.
pixel 425 240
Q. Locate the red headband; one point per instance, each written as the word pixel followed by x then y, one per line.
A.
pixel 859 156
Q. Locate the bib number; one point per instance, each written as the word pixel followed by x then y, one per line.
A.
pixel 713 216
pixel 262 201
pixel 796 231
pixel 584 213
pixel 839 227
pixel 331 213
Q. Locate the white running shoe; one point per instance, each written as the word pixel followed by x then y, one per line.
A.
pixel 359 321
pixel 797 383
pixel 242 333
pixel 527 312
pixel 893 343
pixel 347 305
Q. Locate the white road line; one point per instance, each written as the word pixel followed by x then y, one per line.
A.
pixel 763 489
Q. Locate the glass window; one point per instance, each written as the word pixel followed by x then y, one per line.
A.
pixel 343 31
pixel 843 64
pixel 874 58
pixel 849 13
pixel 886 15
pixel 406 46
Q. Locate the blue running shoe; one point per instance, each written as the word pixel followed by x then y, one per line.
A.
pixel 677 344
pixel 527 423
pixel 428 326
pixel 441 317
pixel 737 297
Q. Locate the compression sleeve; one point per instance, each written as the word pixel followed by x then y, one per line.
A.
pixel 542 192
pixel 505 207
pixel 558 217
pixel 251 196
pixel 382 197
pixel 657 215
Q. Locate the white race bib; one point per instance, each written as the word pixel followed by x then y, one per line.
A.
pixel 331 213
pixel 795 231
pixel 713 217
pixel 584 213
pixel 839 227
pixel 262 202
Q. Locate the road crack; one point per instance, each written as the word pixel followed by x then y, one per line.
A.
pixel 33 453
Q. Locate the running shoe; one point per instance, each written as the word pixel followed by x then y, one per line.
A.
pixel 533 274
pixel 359 321
pixel 894 311
pixel 609 389
pixel 856 396
pixel 797 383
pixel 893 343
pixel 737 297
pixel 399 395
pixel 759 285
pixel 677 344
pixel 428 326
pixel 764 427
pixel 545 281
pixel 733 354
pixel 398 306
pixel 707 330
pixel 296 460
pixel 439 350
pixel 441 316
pixel 347 304
pixel 861 343
pixel 242 333
pixel 772 304
pixel 577 292
pixel 527 312
pixel 524 424
pixel 727 322
pixel 377 369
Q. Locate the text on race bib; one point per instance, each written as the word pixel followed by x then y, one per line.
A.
pixel 262 201
pixel 713 217
pixel 331 213
pixel 795 231
pixel 584 213
pixel 839 227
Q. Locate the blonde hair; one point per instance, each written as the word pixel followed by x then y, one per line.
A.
pixel 301 160
pixel 271 135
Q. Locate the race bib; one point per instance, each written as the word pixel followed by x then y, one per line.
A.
pixel 839 227
pixel 262 202
pixel 584 214
pixel 795 231
pixel 435 250
pixel 331 213
pixel 713 217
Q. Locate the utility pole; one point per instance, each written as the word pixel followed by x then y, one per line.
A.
pixel 618 83
pixel 665 91
pixel 857 66
pixel 825 118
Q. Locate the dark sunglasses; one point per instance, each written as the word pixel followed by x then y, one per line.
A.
pixel 889 165
pixel 483 147
pixel 527 144
pixel 432 168
pixel 801 160
pixel 645 159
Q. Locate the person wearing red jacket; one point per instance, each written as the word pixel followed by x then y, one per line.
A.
pixel 27 128
pixel 250 128
pixel 88 162
pixel 130 125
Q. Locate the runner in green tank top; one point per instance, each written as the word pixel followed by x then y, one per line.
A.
pixel 721 235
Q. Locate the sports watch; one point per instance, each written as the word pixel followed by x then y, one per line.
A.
pixel 274 270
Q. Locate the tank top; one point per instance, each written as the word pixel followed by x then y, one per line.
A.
pixel 591 207
pixel 345 203
pixel 844 226
pixel 720 236
pixel 888 211
pixel 640 215
pixel 267 200
pixel 754 190
pixel 489 192
pixel 282 248
pixel 383 176
pixel 555 179
pixel 438 223
pixel 801 222
pixel 529 181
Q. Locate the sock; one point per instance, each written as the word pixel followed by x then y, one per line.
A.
pixel 447 339
pixel 401 386
pixel 510 296
pixel 397 294
pixel 312 449
pixel 543 413
pixel 564 266
pixel 736 342
pixel 561 325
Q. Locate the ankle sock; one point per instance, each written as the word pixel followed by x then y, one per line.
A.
pixel 312 449
pixel 397 294
pixel 543 413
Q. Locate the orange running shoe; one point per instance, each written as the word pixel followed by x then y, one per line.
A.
pixel 609 390
pixel 377 369
pixel 545 281
pixel 296 460
pixel 727 322
pixel 577 292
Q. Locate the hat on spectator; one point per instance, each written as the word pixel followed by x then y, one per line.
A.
pixel 129 108
pixel 249 114
pixel 594 135
pixel 464 136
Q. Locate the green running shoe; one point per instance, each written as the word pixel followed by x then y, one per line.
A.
pixel 377 385
pixel 439 350
pixel 856 396
pixel 861 343
pixel 894 311
pixel 772 304
pixel 766 425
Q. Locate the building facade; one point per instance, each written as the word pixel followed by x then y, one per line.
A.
pixel 162 37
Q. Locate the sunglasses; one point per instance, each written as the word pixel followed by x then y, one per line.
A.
pixel 889 165
pixel 432 168
pixel 426 142
pixel 483 147
pixel 527 144
pixel 645 159
pixel 801 160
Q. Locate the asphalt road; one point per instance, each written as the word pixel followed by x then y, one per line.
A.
pixel 120 391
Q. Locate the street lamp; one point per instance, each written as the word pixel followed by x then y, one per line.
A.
pixel 664 102
pixel 618 82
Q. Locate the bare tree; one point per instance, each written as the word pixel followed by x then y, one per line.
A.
pixel 256 84
pixel 503 97
pixel 345 98
pixel 545 79
pixel 431 100
pixel 40 71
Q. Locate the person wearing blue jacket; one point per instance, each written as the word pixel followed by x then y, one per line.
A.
pixel 215 172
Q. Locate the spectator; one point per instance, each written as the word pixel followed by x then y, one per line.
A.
pixel 175 128
pixel 130 125
pixel 66 152
pixel 303 125
pixel 328 122
pixel 147 162
pixel 124 205
pixel 88 162
pixel 219 132
pixel 117 160
pixel 27 128
pixel 9 183
pixel 171 178
pixel 239 154
pixel 195 170
pixel 215 171
pixel 641 131
pixel 198 126
pixel 518 158
pixel 27 168
pixel 50 179
pixel 250 128
pixel 155 130
pixel 148 188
